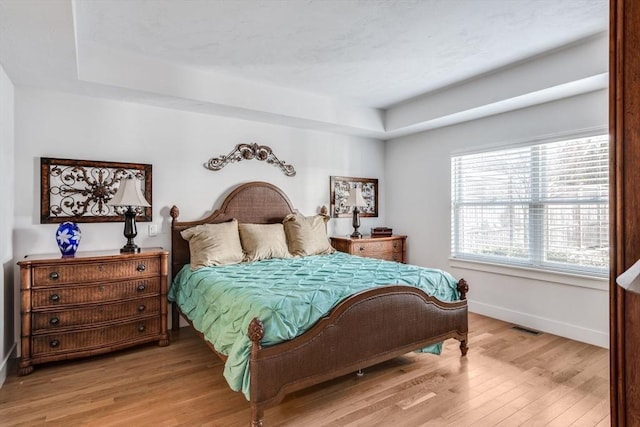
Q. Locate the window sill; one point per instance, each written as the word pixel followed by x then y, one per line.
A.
pixel 582 281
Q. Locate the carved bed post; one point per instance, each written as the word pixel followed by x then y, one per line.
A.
pixel 175 315
pixel 174 212
pixel 463 288
pixel 256 333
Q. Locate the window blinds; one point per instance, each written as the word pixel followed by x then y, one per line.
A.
pixel 542 206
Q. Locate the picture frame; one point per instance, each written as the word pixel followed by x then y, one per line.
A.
pixel 78 190
pixel 340 187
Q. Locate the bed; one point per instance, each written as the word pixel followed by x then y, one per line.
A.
pixel 361 330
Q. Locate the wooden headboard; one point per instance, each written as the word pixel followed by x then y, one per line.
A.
pixel 254 202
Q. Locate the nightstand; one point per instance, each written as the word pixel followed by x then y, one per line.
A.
pixel 392 248
pixel 92 303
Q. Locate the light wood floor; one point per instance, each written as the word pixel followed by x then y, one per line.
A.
pixel 508 378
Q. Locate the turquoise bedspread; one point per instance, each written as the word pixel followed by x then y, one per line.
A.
pixel 288 295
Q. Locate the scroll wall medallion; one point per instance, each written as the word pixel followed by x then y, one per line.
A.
pixel 78 190
pixel 249 152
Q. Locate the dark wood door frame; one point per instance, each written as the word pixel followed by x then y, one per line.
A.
pixel 624 130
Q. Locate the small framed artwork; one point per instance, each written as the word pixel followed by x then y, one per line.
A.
pixel 342 186
pixel 78 190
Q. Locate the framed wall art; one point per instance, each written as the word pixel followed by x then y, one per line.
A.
pixel 340 188
pixel 78 190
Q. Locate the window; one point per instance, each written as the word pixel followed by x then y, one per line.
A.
pixel 543 206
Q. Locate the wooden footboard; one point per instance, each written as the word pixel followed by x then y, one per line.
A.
pixel 363 330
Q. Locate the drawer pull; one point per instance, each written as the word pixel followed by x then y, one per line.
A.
pixel 141 267
pixel 395 245
pixel 54 298
pixel 141 328
pixel 54 321
pixel 54 343
pixel 141 287
pixel 54 275
pixel 361 248
pixel 141 308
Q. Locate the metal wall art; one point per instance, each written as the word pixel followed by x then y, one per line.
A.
pixel 78 190
pixel 248 152
pixel 341 186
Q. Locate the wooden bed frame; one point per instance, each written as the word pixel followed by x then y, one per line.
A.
pixel 362 330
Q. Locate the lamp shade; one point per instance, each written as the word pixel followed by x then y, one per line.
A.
pixel 129 194
pixel 630 279
pixel 355 198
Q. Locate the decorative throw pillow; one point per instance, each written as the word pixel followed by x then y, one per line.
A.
pixel 263 241
pixel 307 235
pixel 214 244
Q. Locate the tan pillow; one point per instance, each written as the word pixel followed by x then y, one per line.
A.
pixel 307 235
pixel 263 241
pixel 214 244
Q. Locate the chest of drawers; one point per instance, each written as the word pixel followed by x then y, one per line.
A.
pixel 93 303
pixel 388 248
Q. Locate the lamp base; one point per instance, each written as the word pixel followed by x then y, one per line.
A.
pixel 130 249
pixel 356 224
pixel 130 231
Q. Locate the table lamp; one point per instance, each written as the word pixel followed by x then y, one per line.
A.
pixel 356 201
pixel 129 195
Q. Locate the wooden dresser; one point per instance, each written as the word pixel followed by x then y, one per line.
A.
pixel 391 248
pixel 93 303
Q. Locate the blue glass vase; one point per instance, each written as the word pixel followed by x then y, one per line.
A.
pixel 68 238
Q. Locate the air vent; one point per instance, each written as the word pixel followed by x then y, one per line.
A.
pixel 527 330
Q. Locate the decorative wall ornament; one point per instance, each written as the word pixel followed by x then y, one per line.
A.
pixel 248 152
pixel 78 190
pixel 341 186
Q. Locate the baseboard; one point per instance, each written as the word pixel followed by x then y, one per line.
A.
pixel 5 364
pixel 574 332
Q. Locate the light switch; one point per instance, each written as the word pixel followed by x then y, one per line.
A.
pixel 153 229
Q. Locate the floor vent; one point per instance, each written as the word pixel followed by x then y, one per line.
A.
pixel 527 330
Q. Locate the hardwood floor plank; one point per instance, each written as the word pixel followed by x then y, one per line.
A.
pixel 561 388
pixel 575 412
pixel 593 416
pixel 508 378
pixel 605 422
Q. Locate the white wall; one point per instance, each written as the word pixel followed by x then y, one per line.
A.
pixel 6 222
pixel 176 143
pixel 417 168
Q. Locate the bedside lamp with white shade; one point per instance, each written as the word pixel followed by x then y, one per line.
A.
pixel 129 195
pixel 356 201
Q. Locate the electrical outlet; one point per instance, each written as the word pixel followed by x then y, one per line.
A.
pixel 153 229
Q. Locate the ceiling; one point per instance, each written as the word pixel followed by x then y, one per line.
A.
pixel 365 55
